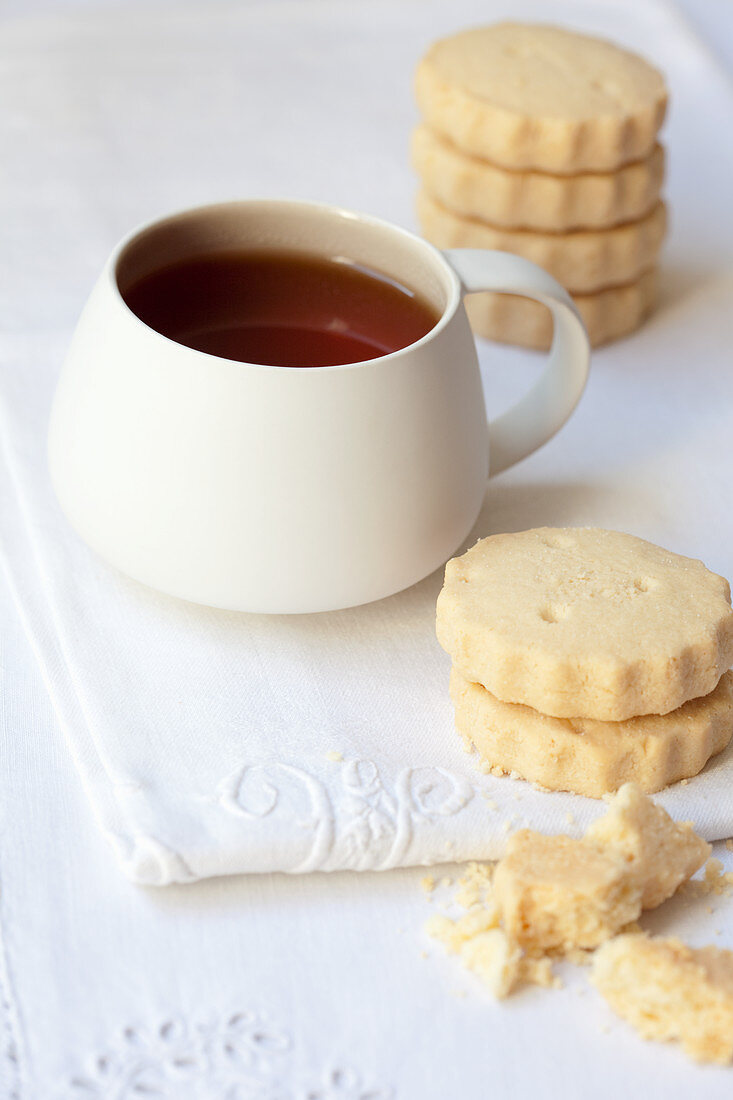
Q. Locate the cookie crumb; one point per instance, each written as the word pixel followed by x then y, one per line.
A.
pixel 334 756
pixel 428 884
pixel 578 955
pixel 716 881
pixel 475 886
pixel 540 972
pixel 713 869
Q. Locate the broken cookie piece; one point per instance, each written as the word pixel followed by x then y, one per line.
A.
pixel 495 959
pixel 454 934
pixel 485 949
pixel 481 946
pixel 555 893
pixel 671 992
pixel 660 853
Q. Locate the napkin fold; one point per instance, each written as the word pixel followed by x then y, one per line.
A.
pixel 216 743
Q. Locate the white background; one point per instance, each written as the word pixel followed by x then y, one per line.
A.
pixel 343 1004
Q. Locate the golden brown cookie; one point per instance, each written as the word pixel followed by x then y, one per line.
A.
pixel 476 188
pixel 585 261
pixel 593 757
pixel 585 622
pixel 607 314
pixel 527 96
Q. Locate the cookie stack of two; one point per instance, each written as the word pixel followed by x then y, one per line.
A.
pixel 542 142
pixel 584 659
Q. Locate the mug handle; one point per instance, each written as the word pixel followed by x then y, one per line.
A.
pixel 543 411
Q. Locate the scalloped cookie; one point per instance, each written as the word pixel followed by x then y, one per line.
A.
pixel 585 261
pixel 607 315
pixel 591 757
pixel 539 97
pixel 585 622
pixel 476 188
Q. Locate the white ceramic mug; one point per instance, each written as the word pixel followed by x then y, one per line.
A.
pixel 275 489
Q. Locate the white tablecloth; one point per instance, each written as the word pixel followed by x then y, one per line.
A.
pixel 266 986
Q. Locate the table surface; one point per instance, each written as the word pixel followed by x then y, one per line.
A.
pixel 320 986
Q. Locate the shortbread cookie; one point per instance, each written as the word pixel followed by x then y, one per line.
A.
pixel 554 893
pixel 531 96
pixel 535 200
pixel 593 757
pixel 671 992
pixel 582 621
pixel 659 853
pixel 607 315
pixel 585 261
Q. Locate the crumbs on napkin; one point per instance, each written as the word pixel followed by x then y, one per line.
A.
pixel 554 897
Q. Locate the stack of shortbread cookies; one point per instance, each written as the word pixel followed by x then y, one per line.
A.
pixel 542 142
pixel 584 659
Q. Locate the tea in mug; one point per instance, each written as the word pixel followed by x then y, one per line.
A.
pixel 281 309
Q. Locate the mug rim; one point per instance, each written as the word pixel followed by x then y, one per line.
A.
pixel 433 253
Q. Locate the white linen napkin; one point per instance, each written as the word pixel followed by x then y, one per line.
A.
pixel 213 743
